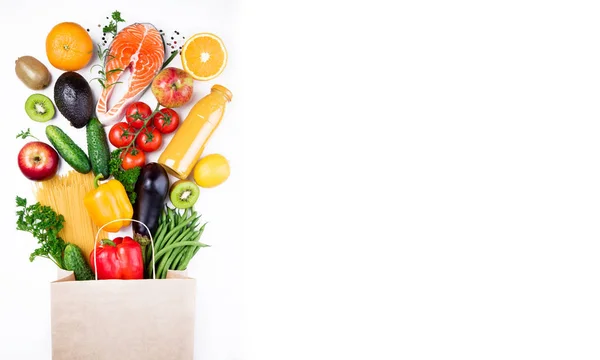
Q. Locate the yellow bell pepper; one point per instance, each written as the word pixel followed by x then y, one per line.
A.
pixel 108 202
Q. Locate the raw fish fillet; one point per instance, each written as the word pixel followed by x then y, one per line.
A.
pixel 140 48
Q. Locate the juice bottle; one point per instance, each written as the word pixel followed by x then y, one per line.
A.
pixel 183 152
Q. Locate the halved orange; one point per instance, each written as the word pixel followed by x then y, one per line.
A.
pixel 204 56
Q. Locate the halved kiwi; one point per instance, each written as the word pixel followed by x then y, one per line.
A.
pixel 39 108
pixel 184 194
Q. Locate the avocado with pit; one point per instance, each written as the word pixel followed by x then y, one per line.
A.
pixel 73 98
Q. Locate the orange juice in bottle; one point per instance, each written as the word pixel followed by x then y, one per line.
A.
pixel 185 148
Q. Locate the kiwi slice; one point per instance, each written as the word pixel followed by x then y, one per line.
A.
pixel 39 108
pixel 184 194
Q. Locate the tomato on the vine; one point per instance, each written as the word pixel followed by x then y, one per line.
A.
pixel 133 158
pixel 166 120
pixel 149 140
pixel 121 134
pixel 137 113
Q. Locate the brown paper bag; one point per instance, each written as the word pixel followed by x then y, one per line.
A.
pixel 123 319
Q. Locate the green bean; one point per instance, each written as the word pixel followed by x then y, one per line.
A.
pixel 172 254
pixel 180 237
pixel 179 259
pixel 159 233
pixel 176 245
pixel 159 237
pixel 194 223
pixel 163 217
pixel 175 231
pixel 161 268
pixel 182 265
pixel 191 251
pixel 195 250
pixel 165 239
pixel 174 259
pixel 174 216
pixel 171 220
pixel 191 255
pixel 150 267
pixel 189 237
pixel 186 235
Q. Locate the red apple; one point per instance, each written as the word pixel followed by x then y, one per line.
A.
pixel 173 87
pixel 38 160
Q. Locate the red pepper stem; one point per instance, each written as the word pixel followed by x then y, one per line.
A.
pixel 96 179
pixel 107 242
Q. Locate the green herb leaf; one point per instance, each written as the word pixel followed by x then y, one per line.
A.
pixel 44 224
pixel 111 28
pixel 116 15
pixel 21 201
pixel 26 134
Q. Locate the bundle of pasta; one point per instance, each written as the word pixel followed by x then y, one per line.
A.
pixel 65 195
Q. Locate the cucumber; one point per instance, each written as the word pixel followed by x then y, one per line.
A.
pixel 74 261
pixel 97 145
pixel 68 150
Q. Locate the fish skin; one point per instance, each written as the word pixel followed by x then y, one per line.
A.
pixel 141 48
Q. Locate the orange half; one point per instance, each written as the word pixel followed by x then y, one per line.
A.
pixel 204 56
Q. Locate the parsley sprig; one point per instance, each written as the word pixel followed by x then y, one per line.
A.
pixel 44 224
pixel 111 28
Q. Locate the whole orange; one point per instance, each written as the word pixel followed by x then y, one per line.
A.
pixel 69 47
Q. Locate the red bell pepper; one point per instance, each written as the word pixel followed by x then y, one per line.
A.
pixel 120 258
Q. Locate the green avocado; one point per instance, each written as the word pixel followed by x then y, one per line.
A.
pixel 73 98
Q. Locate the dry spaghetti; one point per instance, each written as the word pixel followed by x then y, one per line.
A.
pixel 65 195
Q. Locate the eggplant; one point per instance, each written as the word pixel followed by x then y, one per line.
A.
pixel 152 187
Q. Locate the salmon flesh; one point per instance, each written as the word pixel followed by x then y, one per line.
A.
pixel 139 48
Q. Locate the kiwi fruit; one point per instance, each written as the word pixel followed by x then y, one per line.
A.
pixel 39 108
pixel 184 194
pixel 32 73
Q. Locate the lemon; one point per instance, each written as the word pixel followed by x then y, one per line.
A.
pixel 212 170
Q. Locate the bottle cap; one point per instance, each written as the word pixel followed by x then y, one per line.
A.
pixel 222 89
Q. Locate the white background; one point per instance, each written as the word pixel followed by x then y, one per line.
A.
pixel 419 182
pixel 436 190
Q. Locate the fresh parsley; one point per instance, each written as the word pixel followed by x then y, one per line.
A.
pixel 111 28
pixel 44 224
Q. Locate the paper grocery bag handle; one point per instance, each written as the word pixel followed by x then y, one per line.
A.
pixel 151 244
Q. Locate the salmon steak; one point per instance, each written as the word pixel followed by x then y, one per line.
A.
pixel 138 48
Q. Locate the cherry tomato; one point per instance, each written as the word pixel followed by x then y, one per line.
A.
pixel 121 134
pixel 136 114
pixel 166 120
pixel 149 140
pixel 132 158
